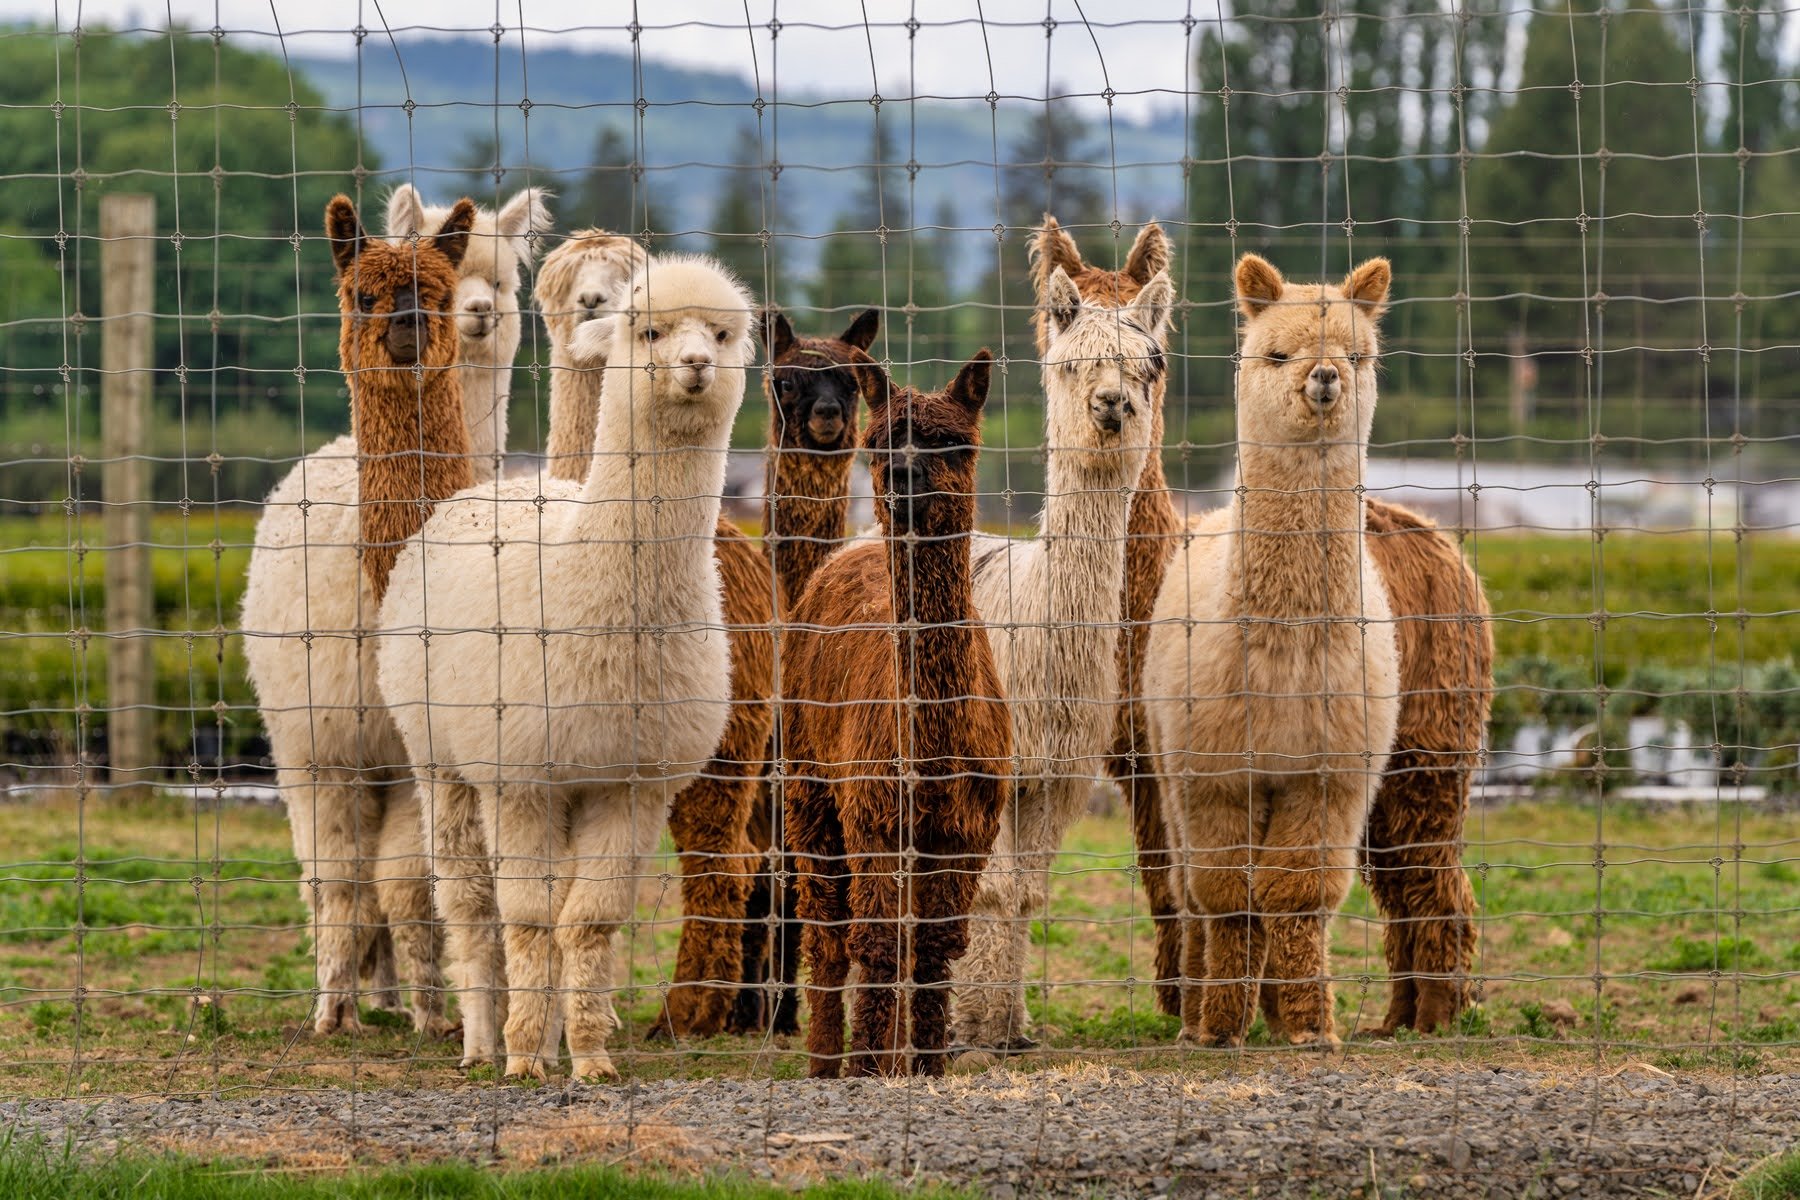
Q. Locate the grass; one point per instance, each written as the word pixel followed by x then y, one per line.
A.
pixel 1777 1178
pixel 154 947
pixel 34 1173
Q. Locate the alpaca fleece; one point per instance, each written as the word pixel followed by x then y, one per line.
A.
pixel 1052 605
pixel 898 744
pixel 554 651
pixel 590 267
pixel 814 386
pixel 313 590
pixel 1150 540
pixel 1273 673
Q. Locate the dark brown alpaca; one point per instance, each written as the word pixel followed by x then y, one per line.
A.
pixel 397 346
pixel 720 823
pixel 1446 676
pixel 814 387
pixel 898 743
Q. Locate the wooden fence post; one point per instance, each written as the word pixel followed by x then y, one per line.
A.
pixel 127 300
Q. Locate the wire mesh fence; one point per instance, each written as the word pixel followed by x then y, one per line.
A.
pixel 619 626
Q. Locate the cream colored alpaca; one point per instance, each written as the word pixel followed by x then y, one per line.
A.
pixel 579 279
pixel 1052 609
pixel 1272 679
pixel 338 758
pixel 488 325
pixel 576 672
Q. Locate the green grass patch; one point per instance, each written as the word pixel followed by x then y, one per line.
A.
pixel 36 1173
pixel 1776 1179
pixel 1725 954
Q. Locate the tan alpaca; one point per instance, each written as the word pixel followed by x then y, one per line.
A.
pixel 580 279
pixel 1272 680
pixel 576 674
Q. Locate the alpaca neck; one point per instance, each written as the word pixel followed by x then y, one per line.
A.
pixel 486 391
pixel 1086 517
pixel 1298 549
pixel 806 523
pixel 934 607
pixel 652 489
pixel 412 450
pixel 574 415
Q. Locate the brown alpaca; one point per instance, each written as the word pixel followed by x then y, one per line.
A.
pixel 1446 679
pixel 898 743
pixel 397 346
pixel 814 387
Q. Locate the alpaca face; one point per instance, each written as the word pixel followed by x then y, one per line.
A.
pixel 395 300
pixel 815 384
pixel 922 449
pixel 583 278
pixel 1308 355
pixel 486 300
pixel 1103 364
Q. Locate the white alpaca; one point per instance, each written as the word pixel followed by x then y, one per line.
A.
pixel 559 656
pixel 338 758
pixel 488 325
pixel 1052 609
pixel 1272 676
pixel 581 278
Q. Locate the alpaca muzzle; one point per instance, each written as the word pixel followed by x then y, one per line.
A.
pixel 1109 410
pixel 825 423
pixel 476 320
pixel 1324 386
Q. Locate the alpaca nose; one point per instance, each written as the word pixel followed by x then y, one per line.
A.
pixel 1108 410
pixel 1324 384
pixel 591 301
pixel 696 358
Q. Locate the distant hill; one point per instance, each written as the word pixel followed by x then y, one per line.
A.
pixel 456 83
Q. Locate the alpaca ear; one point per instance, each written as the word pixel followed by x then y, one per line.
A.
pixel 862 331
pixel 526 213
pixel 452 237
pixel 1367 286
pixel 1149 253
pixel 1152 306
pixel 593 341
pixel 405 212
pixel 345 231
pixel 1259 284
pixel 1050 249
pixel 1062 300
pixel 970 387
pixel 777 334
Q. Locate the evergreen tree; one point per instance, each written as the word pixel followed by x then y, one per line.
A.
pixel 742 216
pixel 613 190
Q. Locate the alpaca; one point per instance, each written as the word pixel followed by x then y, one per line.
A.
pixel 1414 841
pixel 315 579
pixel 898 743
pixel 1052 608
pixel 814 386
pixel 571 736
pixel 583 276
pixel 1273 675
pixel 1151 534
pixel 486 306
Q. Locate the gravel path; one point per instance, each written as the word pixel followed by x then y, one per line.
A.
pixel 1293 1130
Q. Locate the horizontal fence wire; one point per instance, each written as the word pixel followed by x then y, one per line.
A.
pixel 1233 733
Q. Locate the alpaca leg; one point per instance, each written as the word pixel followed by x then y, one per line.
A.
pixel 1418 882
pixel 707 823
pixel 379 977
pixel 450 823
pixel 877 1035
pixel 1303 872
pixel 985 973
pixel 943 897
pixel 1130 766
pixel 402 884
pixel 751 1005
pixel 1214 838
pixel 786 963
pixel 525 826
pixel 613 832
pixel 822 908
pixel 336 822
pixel 1236 946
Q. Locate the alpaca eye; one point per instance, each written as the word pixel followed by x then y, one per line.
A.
pixel 1276 356
pixel 365 302
pixel 786 386
pixel 651 334
pixel 722 335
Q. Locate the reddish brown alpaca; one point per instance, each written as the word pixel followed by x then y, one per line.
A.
pixel 1446 676
pixel 814 387
pixel 898 743
pixel 397 346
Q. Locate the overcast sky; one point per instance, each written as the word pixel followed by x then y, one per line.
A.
pixel 1139 48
